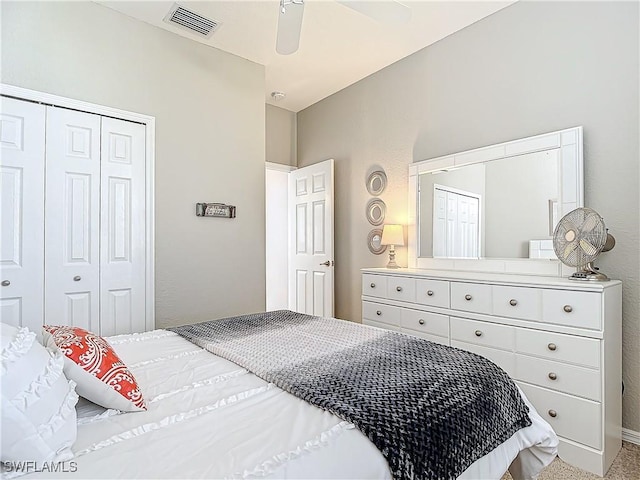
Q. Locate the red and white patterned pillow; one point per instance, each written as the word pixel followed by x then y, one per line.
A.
pixel 96 368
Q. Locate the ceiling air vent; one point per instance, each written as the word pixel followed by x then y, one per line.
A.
pixel 184 18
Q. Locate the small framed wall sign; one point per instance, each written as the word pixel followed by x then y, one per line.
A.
pixel 215 210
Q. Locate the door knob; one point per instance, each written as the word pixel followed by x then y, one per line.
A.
pixel 328 263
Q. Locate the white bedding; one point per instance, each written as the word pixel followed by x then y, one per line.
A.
pixel 210 418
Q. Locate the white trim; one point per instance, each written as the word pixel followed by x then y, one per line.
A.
pixel 571 193
pixel 150 128
pixel 630 436
pixel 279 167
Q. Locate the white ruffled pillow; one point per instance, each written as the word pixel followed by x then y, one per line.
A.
pixel 38 402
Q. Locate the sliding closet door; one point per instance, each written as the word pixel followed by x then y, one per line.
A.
pixel 122 246
pixel 22 133
pixel 72 225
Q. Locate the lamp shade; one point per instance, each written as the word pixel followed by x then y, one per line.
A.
pixel 392 235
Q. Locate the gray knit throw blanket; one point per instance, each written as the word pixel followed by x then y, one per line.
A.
pixel 430 409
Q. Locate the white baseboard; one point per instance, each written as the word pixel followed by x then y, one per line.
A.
pixel 631 436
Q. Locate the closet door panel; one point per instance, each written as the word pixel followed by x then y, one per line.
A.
pixel 22 144
pixel 122 229
pixel 72 225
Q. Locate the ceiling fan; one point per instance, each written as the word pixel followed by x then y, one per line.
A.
pixel 290 18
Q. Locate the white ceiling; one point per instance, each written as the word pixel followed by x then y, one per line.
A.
pixel 338 45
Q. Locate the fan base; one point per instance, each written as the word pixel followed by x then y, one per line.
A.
pixel 588 276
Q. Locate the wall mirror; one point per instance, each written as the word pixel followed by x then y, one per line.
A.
pixel 374 241
pixel 376 183
pixel 494 208
pixel 376 211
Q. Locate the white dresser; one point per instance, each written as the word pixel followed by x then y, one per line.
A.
pixel 559 339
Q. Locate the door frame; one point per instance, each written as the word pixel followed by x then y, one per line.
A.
pixel 286 169
pixel 149 123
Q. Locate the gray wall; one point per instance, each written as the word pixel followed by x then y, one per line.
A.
pixel 531 68
pixel 281 130
pixel 210 146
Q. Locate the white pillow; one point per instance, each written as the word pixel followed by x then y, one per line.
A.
pixel 38 401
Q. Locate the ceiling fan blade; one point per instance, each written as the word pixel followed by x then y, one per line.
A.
pixel 289 26
pixel 390 12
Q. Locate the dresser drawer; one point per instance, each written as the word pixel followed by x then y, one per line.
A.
pixel 401 288
pixel 560 347
pixel 572 379
pixel 471 297
pixel 385 326
pixel 381 313
pixel 570 417
pixel 517 302
pixel 434 293
pixel 482 333
pixel 425 322
pixel 428 336
pixel 505 360
pixel 577 309
pixel 374 285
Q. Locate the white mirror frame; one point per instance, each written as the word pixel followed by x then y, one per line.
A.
pixel 570 187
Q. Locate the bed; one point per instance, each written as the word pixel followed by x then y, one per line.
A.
pixel 209 417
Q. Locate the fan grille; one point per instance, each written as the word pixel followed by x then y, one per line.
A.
pixel 579 237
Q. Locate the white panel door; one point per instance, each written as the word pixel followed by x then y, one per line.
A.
pixel 456 223
pixel 122 227
pixel 439 223
pixel 22 141
pixel 72 225
pixel 311 276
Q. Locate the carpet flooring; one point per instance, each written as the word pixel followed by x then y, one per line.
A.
pixel 626 466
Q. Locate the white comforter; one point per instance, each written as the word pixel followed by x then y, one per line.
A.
pixel 210 418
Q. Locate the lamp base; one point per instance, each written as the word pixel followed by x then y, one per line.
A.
pixel 392 258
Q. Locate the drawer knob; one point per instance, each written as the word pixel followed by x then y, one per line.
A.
pixel 378 312
pixel 553 376
pixel 552 346
pixel 6 283
pixel 430 293
pixel 478 333
pixel 568 308
pixel 513 302
pixel 77 278
pixel 421 322
pixel 468 297
pixel 373 285
pixel 553 413
pixel 398 289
